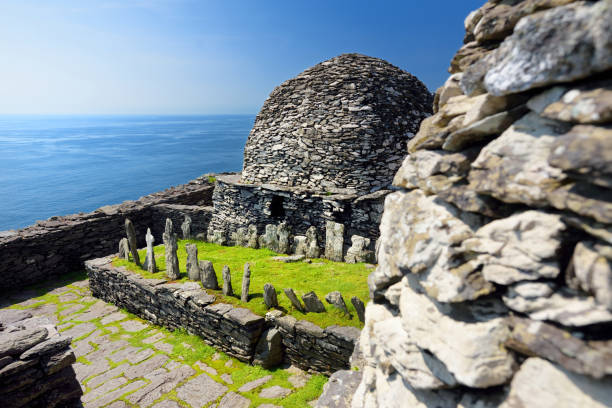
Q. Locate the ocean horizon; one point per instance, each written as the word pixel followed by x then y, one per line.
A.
pixel 64 164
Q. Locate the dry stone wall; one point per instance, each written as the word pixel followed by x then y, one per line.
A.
pixel 234 330
pixel 238 205
pixel 35 363
pixel 61 244
pixel 494 279
pixel 340 126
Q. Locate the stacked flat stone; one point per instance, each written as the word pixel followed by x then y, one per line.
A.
pixel 35 363
pixel 341 124
pixel 494 280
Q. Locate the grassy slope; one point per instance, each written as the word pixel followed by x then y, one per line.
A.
pixel 322 276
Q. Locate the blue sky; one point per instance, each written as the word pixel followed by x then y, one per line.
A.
pixel 204 57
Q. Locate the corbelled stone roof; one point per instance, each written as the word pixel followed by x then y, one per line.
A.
pixel 342 124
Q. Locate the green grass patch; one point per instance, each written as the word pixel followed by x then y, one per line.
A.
pixel 322 276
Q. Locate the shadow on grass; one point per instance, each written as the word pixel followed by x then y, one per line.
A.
pixel 40 289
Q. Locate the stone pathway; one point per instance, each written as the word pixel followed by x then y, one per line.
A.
pixel 123 361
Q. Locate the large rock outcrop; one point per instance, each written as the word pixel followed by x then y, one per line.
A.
pixel 494 282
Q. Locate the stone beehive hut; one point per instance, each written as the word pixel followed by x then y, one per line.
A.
pixel 324 147
pixel 342 124
pixel 494 282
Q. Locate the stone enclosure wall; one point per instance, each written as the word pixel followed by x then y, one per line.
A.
pixel 340 126
pixel 35 363
pixel 238 205
pixel 494 282
pixel 61 244
pixel 234 330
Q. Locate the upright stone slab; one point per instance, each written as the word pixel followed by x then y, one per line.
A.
pixel 334 241
pixel 299 245
pixel 269 294
pixel 294 299
pixel 227 281
pixel 252 236
pixel 124 249
pixel 208 275
pixel 186 228
pixel 312 243
pixel 270 238
pixel 171 246
pixel 132 241
pixel 246 282
pixel 283 231
pixel 313 303
pixel 192 266
pixel 149 263
pixel 359 307
pixel 240 237
pixel 359 252
pixel 335 299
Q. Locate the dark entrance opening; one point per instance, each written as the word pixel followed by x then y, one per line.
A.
pixel 276 207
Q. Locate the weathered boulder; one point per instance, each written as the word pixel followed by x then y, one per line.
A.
pixel 299 245
pixel 270 238
pixel 284 231
pixel 338 391
pixel 252 237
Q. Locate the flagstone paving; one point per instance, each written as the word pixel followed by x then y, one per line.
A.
pixel 123 361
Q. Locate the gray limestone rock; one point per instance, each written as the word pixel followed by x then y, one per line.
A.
pixel 124 249
pixel 240 238
pixel 540 383
pixel 289 258
pixel 543 301
pixel 359 308
pixel 269 350
pixel 227 281
pixel 246 282
pixel 208 275
pixel 132 240
pixel 482 362
pixel 338 391
pixel 312 303
pixel 217 237
pixel 269 296
pixel 359 252
pixel 521 247
pixel 591 271
pixel 192 266
pixel 335 299
pixel 49 346
pixel 294 299
pixel 171 246
pixel 312 243
pixel 149 263
pixel 186 228
pixel 284 231
pixel 334 241
pixel 538 53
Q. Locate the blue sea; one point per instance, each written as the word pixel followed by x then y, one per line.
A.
pixel 57 165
